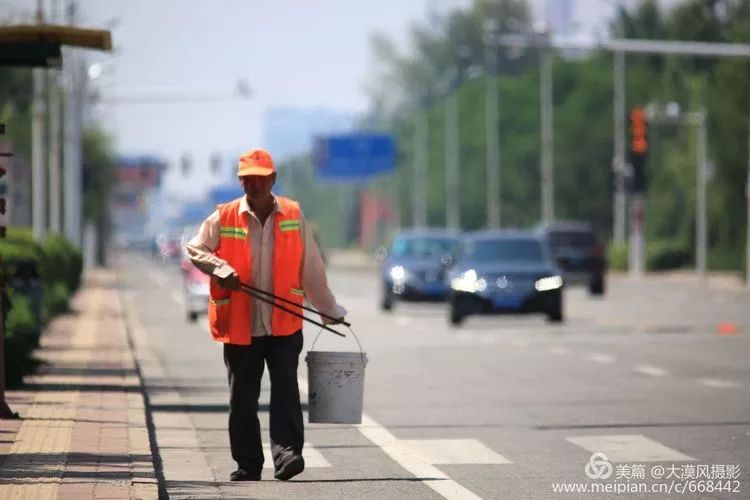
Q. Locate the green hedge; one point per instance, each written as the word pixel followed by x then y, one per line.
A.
pixel 55 263
pixel 617 256
pixel 21 338
pixel 664 255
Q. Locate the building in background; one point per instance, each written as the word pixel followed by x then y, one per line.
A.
pixel 134 196
pixel 558 15
pixel 289 132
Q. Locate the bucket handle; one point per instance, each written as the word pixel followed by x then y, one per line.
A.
pixel 362 355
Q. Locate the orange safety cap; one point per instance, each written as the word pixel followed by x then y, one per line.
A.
pixel 256 162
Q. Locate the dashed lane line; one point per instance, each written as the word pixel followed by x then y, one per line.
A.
pixel 653 371
pixel 601 357
pixel 718 383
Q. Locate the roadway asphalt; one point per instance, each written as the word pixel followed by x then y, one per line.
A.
pixel 503 407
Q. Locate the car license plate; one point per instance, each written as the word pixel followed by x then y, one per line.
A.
pixel 507 301
pixel 433 288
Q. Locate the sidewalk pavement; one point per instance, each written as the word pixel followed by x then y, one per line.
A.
pixel 82 432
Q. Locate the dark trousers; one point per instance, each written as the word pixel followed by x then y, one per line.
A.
pixel 245 364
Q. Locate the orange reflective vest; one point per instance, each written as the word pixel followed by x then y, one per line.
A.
pixel 230 313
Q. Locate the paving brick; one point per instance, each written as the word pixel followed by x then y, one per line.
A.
pixel 80 444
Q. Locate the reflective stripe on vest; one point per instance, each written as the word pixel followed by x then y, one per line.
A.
pixel 298 291
pixel 233 232
pixel 290 225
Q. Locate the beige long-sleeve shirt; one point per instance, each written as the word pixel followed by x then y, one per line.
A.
pixel 314 281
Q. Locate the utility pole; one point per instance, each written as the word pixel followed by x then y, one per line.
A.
pixel 747 203
pixel 38 155
pixel 618 164
pixel 73 155
pixel 53 90
pixel 701 218
pixel 420 167
pixel 547 167
pixel 492 99
pixel 453 197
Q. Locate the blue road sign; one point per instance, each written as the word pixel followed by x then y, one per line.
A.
pixel 353 157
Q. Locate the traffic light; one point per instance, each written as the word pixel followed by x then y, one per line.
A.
pixel 638 149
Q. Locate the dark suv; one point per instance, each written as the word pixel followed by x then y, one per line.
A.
pixel 577 251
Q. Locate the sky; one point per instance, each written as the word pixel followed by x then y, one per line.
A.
pixel 292 53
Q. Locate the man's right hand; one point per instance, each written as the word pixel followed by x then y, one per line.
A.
pixel 231 282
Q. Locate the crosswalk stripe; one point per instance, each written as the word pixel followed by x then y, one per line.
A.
pixel 439 481
pixel 628 448
pixel 313 457
pixel 453 451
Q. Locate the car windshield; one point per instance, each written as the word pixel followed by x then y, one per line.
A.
pixel 414 246
pixel 504 249
pixel 571 239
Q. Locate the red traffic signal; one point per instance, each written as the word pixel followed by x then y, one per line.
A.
pixel 638 131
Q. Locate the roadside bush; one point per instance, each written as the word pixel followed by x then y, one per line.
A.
pixel 42 279
pixel 617 256
pixel 665 254
pixel 63 263
pixel 21 338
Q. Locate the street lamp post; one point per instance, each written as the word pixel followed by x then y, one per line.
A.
pixel 421 124
pixel 747 203
pixel 618 165
pixel 492 98
pixel 701 217
pixel 452 156
pixel 699 120
pixel 547 167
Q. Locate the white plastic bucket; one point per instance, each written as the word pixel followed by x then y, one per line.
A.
pixel 336 384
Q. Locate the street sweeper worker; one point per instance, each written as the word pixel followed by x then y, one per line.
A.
pixel 262 240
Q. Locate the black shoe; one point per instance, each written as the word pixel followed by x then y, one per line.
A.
pixel 244 475
pixel 290 468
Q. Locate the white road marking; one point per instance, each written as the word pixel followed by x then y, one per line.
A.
pixel 601 357
pixel 717 382
pixel 653 371
pixel 629 448
pixel 313 458
pixel 403 321
pixel 178 297
pixel 437 480
pixel 159 278
pixel 453 451
pixel 518 343
pixel 556 349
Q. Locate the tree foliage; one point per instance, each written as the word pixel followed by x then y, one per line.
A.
pixel 583 120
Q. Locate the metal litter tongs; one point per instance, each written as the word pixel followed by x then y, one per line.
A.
pixel 270 298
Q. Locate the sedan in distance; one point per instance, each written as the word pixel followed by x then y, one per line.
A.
pixel 500 272
pixel 414 266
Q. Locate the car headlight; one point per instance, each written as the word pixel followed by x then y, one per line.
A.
pixel 398 273
pixel 548 283
pixel 468 281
